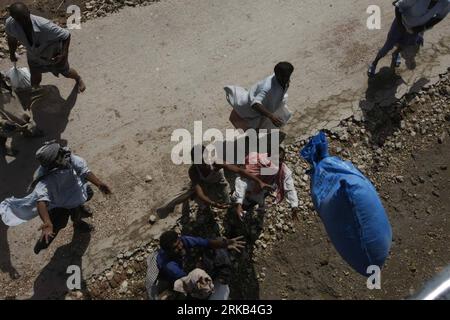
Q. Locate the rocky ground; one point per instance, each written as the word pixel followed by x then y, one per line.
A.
pixel 403 148
pixel 55 10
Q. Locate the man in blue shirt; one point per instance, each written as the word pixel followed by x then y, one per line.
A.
pixel 60 189
pixel 175 249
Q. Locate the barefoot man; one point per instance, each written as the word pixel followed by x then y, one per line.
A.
pixel 47 45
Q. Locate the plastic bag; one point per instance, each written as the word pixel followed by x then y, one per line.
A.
pixel 349 206
pixel 19 78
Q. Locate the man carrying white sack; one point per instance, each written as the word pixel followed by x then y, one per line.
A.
pixel 60 191
pixel 265 105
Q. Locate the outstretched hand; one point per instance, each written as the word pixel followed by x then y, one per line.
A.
pixel 104 188
pixel 47 232
pixel 236 244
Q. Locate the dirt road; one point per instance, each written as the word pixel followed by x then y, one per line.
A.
pixel 153 69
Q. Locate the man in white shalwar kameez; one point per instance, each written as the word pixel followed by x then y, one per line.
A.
pixel 265 105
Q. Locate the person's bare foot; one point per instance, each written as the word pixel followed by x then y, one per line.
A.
pixel 81 85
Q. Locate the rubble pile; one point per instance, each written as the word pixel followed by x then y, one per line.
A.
pixel 422 119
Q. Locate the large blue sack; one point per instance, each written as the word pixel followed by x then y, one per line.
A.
pixel 349 206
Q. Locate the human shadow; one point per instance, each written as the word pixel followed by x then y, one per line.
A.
pixel 5 258
pixel 51 283
pixel 383 104
pixel 244 283
pixel 50 112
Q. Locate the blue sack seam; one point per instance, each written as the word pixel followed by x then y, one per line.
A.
pixel 358 222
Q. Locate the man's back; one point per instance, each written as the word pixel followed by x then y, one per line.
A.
pixel 64 187
pixel 47 37
pixel 416 13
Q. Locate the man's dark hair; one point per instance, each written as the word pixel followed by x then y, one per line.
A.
pixel 167 240
pixel 18 9
pixel 284 68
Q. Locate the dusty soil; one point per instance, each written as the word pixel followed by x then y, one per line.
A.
pixel 123 122
pixel 410 169
pixel 419 213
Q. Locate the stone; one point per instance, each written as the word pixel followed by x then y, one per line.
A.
pixel 152 219
pixel 109 275
pixel 323 263
pixel 447 90
pixel 148 179
pixel 123 287
pixel 441 138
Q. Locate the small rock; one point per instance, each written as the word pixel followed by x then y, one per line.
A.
pixel 109 275
pixel 435 193
pixel 148 179
pixel 447 117
pixel 324 263
pixel 447 90
pixel 152 219
pixel 400 179
pixel 128 254
pixel 123 287
pixel 441 138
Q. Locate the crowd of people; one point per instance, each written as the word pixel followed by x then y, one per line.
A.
pixel 61 185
